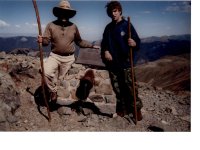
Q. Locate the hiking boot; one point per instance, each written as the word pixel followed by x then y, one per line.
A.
pixel 54 96
pixel 121 114
pixel 139 115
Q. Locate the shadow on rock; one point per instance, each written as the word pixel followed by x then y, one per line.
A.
pixel 155 128
pixel 40 101
pixel 79 105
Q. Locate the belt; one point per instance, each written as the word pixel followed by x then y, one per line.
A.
pixel 68 54
pixel 61 54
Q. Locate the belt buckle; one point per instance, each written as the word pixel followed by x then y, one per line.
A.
pixel 70 54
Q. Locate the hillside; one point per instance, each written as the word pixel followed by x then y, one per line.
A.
pixel 171 73
pixel 163 110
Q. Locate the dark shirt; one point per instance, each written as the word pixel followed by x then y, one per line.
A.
pixel 115 40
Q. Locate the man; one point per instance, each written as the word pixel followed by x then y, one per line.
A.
pixel 63 35
pixel 115 49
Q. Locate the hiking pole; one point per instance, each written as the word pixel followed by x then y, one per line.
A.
pixel 132 70
pixel 41 58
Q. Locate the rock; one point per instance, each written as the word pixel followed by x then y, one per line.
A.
pixel 110 98
pixel 62 101
pixel 87 111
pixel 164 122
pixel 96 98
pixel 105 89
pixel 78 66
pixel 12 118
pixel 2 116
pixel 73 71
pixel 174 112
pixel 73 83
pixel 103 74
pixel 4 126
pixel 73 94
pixel 106 108
pixel 115 115
pixel 186 118
pixel 64 111
pixel 9 99
pixel 2 55
pixel 81 118
pixel 97 81
pixel 65 84
pixel 63 92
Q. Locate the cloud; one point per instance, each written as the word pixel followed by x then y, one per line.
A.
pixel 3 24
pixel 17 26
pixel 179 7
pixel 31 25
pixel 34 25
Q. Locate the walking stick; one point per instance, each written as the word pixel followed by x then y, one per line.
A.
pixel 132 70
pixel 41 58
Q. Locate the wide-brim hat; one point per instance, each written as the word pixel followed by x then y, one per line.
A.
pixel 64 9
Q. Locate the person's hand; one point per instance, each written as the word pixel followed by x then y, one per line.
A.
pixel 39 40
pixel 96 47
pixel 131 42
pixel 108 56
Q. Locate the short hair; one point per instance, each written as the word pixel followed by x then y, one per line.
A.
pixel 113 5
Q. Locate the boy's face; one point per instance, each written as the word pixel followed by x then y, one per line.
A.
pixel 116 15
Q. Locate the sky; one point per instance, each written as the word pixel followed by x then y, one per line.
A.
pixel 150 18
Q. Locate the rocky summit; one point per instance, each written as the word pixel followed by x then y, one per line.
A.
pixel 166 108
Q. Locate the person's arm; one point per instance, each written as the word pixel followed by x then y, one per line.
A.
pixel 45 38
pixel 105 54
pixel 134 41
pixel 108 56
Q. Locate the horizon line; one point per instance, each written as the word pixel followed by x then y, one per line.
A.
pixel 3 35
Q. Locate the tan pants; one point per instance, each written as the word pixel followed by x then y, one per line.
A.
pixel 56 67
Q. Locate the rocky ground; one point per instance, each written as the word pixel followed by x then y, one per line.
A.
pixel 163 110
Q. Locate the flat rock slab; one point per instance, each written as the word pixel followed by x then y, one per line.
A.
pixel 89 56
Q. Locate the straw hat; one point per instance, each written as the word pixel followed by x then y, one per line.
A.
pixel 64 9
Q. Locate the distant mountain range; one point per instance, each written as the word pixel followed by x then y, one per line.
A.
pixel 9 44
pixel 186 37
pixel 151 49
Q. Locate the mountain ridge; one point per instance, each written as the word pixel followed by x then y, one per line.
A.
pixel 151 48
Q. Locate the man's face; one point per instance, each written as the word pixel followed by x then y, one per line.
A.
pixel 63 18
pixel 116 15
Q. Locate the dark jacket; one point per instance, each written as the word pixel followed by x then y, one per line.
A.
pixel 115 40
